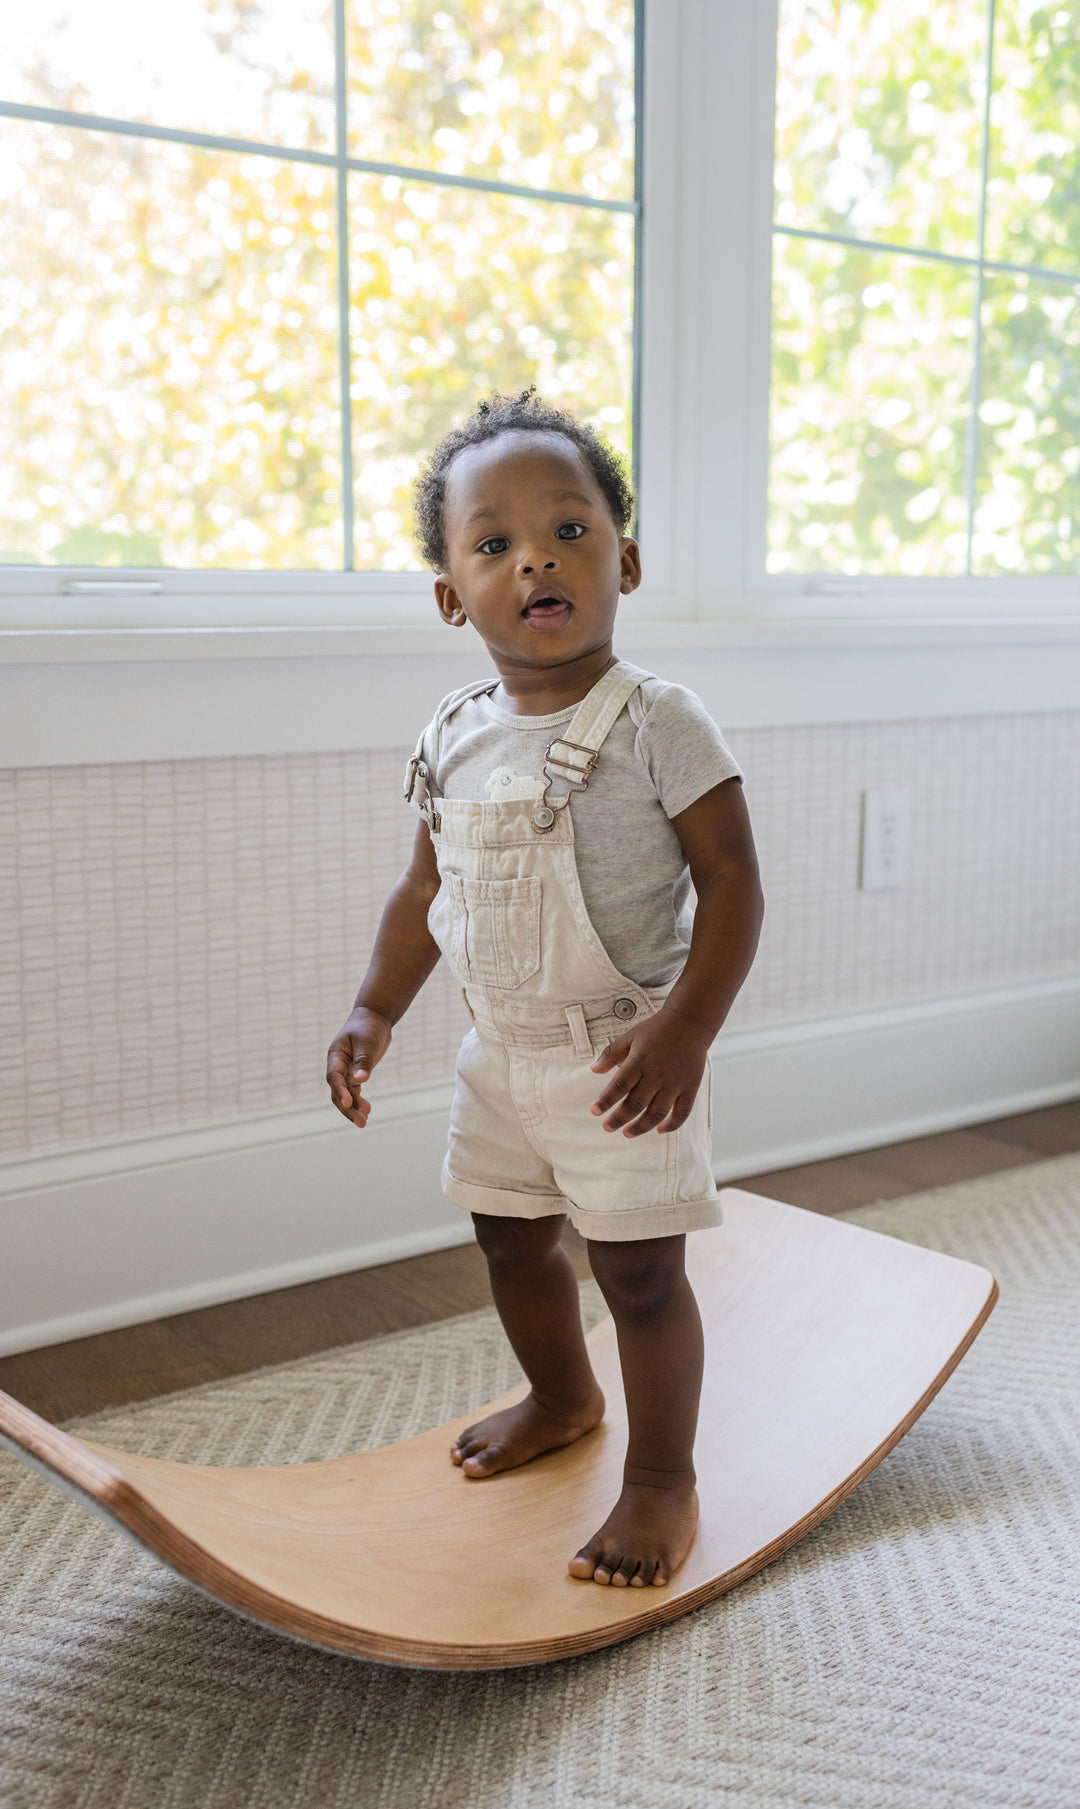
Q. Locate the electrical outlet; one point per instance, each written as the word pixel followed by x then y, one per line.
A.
pixel 886 832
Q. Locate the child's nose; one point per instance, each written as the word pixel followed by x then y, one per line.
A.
pixel 536 562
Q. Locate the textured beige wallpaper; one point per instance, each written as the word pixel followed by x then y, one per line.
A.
pixel 180 940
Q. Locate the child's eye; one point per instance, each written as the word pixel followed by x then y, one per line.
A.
pixel 570 530
pixel 497 544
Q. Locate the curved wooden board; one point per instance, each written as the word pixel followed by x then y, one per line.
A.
pixel 825 1343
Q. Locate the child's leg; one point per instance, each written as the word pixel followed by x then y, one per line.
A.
pixel 536 1293
pixel 661 1348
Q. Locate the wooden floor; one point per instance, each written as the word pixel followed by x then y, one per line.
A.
pixel 141 1361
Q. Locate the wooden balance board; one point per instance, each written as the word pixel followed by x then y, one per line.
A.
pixel 825 1343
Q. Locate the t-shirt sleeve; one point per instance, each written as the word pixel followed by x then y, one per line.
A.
pixel 429 747
pixel 684 751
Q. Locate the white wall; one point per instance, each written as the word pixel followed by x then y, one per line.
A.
pixel 187 933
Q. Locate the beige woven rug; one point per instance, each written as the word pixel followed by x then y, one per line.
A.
pixel 918 1651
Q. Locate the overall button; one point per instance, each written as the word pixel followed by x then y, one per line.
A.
pixel 544 817
pixel 625 1008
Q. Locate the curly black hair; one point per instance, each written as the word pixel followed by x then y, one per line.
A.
pixel 523 413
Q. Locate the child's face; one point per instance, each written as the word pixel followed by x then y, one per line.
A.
pixel 535 562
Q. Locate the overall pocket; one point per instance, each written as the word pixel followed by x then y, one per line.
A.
pixel 495 940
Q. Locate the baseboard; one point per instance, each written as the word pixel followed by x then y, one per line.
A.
pixel 115 1234
pixel 800 1092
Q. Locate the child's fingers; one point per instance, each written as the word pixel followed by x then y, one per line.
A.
pixel 361 1071
pixel 617 1087
pixel 615 1053
pixel 656 1113
pixel 337 1063
pixel 346 1072
pixel 358 1113
pixel 638 1100
pixel 678 1114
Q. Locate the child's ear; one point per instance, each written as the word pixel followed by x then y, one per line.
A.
pixel 449 603
pixel 630 566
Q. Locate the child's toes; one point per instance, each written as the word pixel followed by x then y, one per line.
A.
pixel 626 1573
pixel 643 1575
pixel 607 1568
pixel 584 1564
pixel 485 1459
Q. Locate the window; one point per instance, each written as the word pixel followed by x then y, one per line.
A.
pixel 259 254
pixel 925 388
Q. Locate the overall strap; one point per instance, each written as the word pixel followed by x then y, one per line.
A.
pixel 574 757
pixel 597 714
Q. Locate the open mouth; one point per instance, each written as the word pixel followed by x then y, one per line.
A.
pixel 547 608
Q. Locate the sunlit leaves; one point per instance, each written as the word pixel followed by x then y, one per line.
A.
pixel 1033 214
pixel 879 119
pixel 1027 515
pixel 513 90
pixel 456 294
pixel 872 361
pixel 169 331
pixel 878 465
pixel 168 355
pixel 260 69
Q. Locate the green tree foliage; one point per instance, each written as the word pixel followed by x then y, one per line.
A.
pixel 541 95
pixel 871 378
pixel 881 108
pixel 168 355
pixel 169 366
pixel 1028 490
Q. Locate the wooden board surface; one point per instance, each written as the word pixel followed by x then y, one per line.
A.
pixel 824 1344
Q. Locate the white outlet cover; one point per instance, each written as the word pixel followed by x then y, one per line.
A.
pixel 886 835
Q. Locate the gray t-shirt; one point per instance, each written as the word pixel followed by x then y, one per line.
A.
pixel 664 752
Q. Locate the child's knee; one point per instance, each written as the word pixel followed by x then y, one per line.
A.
pixel 507 1242
pixel 641 1278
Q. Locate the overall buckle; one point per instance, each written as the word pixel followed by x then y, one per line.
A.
pixel 415 772
pixel 575 773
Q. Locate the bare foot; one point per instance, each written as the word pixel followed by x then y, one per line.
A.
pixel 645 1537
pixel 521 1432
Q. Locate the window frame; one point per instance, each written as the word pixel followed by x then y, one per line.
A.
pixel 714 372
pixel 802 595
pixel 139 597
pixel 706 93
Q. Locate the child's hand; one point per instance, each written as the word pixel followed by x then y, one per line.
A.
pixel 352 1055
pixel 658 1072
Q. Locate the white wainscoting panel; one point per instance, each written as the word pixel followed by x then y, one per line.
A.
pixel 117 1233
pixel 181 939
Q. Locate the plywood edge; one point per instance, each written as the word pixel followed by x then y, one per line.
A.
pixel 59 1452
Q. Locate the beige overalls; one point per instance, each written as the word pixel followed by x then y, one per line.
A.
pixel 546 1000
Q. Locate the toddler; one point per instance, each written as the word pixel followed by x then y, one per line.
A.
pixel 566 807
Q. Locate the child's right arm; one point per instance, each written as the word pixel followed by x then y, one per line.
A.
pixel 404 955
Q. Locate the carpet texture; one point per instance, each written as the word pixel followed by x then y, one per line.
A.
pixel 918 1651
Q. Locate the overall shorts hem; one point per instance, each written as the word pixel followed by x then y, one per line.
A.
pixel 632 1223
pixel 501 1202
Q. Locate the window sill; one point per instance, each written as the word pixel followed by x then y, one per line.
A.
pixel 82 696
pixel 66 646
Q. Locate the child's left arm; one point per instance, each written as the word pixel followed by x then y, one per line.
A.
pixel 659 1065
